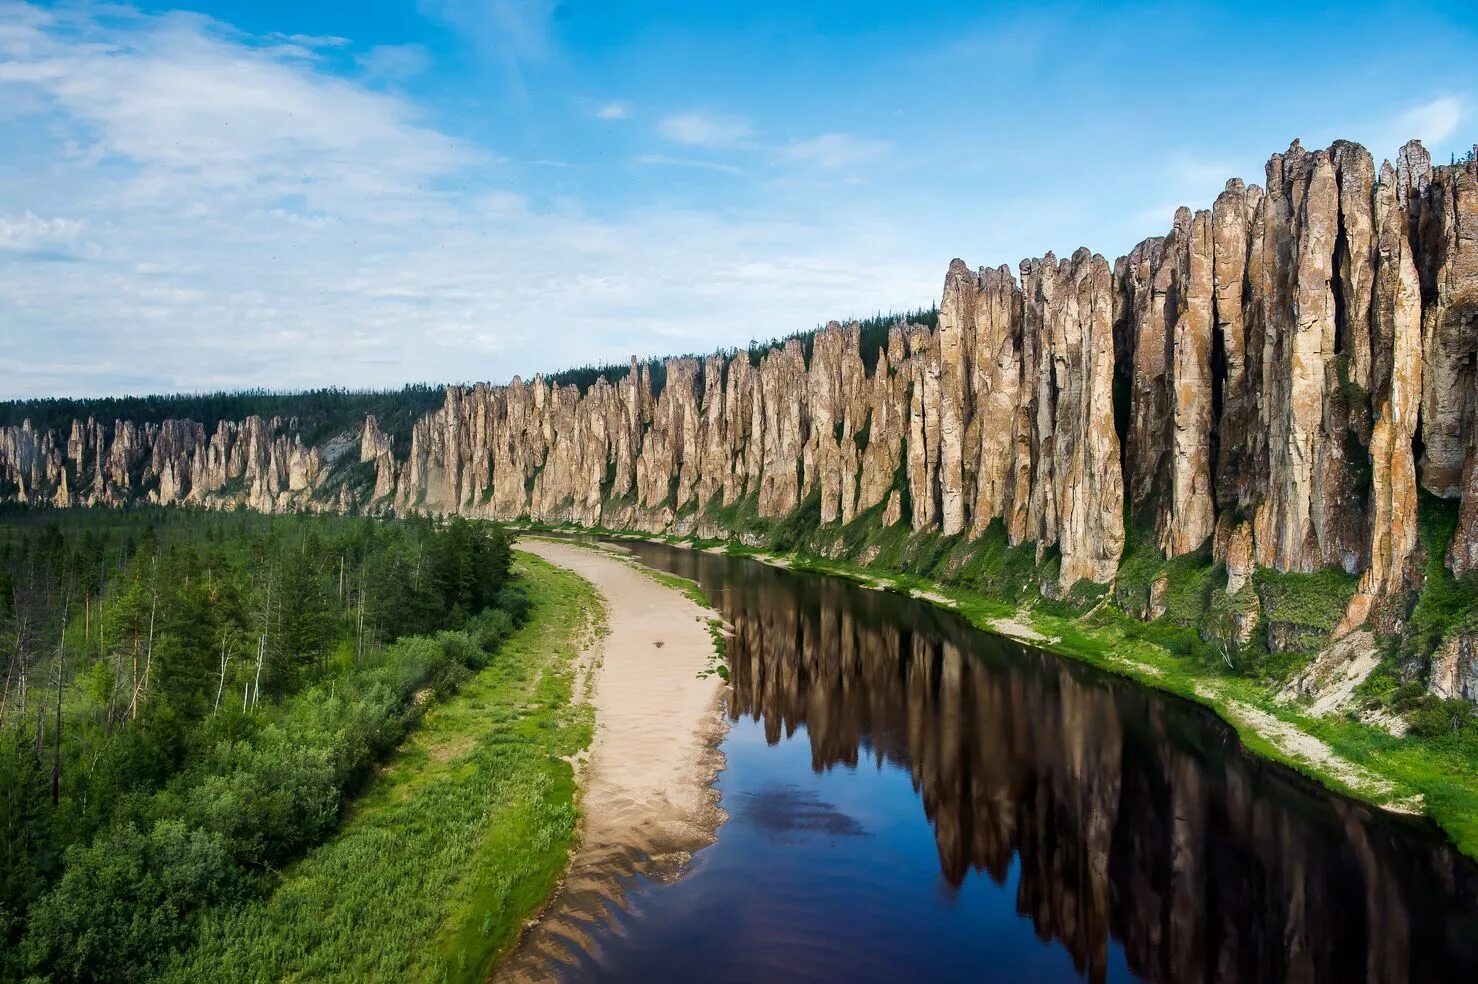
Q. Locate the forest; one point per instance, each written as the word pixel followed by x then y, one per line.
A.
pixel 320 413
pixel 191 699
pixel 872 342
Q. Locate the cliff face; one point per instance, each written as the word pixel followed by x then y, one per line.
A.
pixel 1262 378
pixel 258 463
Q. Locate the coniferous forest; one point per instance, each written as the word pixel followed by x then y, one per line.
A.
pixel 190 699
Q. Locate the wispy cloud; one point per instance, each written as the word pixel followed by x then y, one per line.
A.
pixel 1431 122
pixel 613 111
pixel 1434 121
pixel 663 160
pixel 514 32
pixel 697 129
pixel 394 62
pixel 309 41
pixel 835 151
pixel 518 28
pixel 249 216
pixel 188 104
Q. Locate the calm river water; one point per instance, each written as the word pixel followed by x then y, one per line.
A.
pixel 911 799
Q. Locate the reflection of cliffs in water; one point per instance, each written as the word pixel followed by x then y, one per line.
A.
pixel 1131 814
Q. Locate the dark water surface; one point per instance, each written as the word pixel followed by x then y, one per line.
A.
pixel 911 799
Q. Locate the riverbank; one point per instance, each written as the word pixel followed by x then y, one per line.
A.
pixel 647 799
pixel 1342 753
pixel 460 837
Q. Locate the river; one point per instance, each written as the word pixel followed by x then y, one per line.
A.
pixel 912 799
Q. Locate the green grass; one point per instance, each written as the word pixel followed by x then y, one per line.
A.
pixel 741 515
pixel 1302 609
pixel 1447 604
pixel 457 841
pixel 687 587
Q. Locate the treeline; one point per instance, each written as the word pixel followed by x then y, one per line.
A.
pixel 189 699
pixel 874 339
pixel 321 413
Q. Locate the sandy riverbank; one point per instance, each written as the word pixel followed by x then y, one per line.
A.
pixel 648 799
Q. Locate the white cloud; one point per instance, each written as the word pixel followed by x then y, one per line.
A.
pixel 835 151
pixel 33 235
pixel 696 129
pixel 188 105
pixel 234 214
pixel 613 111
pixel 394 62
pixel 311 40
pixel 664 160
pixel 1431 122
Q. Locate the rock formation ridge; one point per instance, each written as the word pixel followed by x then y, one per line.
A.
pixel 1276 376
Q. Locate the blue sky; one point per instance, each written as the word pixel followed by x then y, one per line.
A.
pixel 297 194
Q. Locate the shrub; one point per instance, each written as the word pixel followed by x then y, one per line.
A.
pixel 127 899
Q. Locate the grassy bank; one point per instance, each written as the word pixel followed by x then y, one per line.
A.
pixel 998 588
pixel 458 840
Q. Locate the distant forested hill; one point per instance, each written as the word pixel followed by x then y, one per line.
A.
pixel 320 412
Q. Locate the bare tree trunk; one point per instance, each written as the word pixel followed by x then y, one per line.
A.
pixel 133 682
pixel 359 623
pixel 149 650
pixel 21 660
pixel 262 644
pixel 142 685
pixel 9 676
pixel 115 662
pixel 5 695
pixel 61 666
pixel 225 661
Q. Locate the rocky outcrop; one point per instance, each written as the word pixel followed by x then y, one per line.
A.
pixel 1279 361
pixel 261 464
pixel 1024 432
pixel 1455 668
pixel 1448 235
pixel 1394 380
pixel 1165 326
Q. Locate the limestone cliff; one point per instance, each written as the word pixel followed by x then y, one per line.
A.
pixel 1271 379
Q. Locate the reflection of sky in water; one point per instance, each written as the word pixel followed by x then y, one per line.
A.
pixel 912 800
